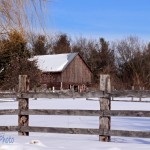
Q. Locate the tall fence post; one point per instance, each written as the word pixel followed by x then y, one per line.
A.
pixel 105 104
pixel 23 120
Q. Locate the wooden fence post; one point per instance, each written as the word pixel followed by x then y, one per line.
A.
pixel 105 104
pixel 23 120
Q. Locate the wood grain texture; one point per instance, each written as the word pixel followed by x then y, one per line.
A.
pixel 61 130
pixel 63 112
pixel 9 128
pixel 124 133
pixel 139 134
pixel 4 94
pixel 88 131
pixel 70 94
pixel 9 112
pixel 119 113
pixel 23 104
pixel 105 104
pixel 63 94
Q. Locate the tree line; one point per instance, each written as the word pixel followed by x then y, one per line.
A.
pixel 126 60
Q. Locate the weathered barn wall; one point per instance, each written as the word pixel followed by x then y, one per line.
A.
pixel 48 77
pixel 77 72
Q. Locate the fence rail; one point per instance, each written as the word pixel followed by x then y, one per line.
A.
pixel 89 131
pixel 116 113
pixel 105 113
pixel 72 94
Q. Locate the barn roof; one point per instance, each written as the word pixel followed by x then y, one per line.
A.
pixel 54 63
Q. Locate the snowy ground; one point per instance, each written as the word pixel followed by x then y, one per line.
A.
pixel 43 141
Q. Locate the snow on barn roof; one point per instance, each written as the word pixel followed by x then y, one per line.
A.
pixel 54 63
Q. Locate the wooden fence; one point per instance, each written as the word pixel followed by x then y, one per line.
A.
pixel 105 112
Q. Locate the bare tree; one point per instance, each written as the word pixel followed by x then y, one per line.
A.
pixel 84 46
pixel 17 17
pixel 129 56
pixel 18 14
pixel 97 54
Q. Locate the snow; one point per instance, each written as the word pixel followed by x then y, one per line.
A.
pixel 47 141
pixel 53 63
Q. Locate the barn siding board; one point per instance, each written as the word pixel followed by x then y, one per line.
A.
pixel 77 72
pixel 48 77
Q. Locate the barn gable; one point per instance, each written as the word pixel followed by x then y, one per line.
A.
pixel 77 71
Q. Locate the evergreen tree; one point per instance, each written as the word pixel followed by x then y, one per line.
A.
pixel 62 45
pixel 14 60
pixel 106 57
pixel 40 45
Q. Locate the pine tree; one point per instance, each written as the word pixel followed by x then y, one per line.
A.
pixel 62 45
pixel 40 45
pixel 14 60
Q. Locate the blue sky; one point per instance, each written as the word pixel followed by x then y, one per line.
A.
pixel 111 19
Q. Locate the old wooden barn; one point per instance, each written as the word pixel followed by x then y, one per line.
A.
pixel 64 71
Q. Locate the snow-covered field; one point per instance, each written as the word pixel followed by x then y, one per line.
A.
pixel 48 141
